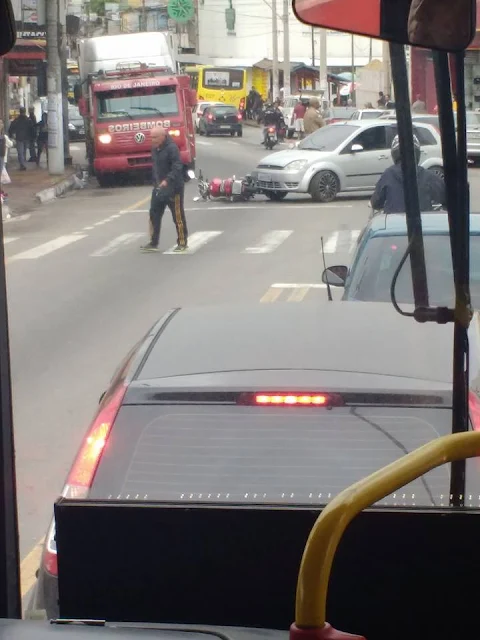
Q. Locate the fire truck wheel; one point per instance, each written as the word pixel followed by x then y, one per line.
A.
pixel 105 179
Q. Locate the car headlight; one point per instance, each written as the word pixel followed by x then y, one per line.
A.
pixel 296 165
pixel 71 126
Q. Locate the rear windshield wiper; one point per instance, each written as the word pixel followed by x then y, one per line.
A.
pixel 160 113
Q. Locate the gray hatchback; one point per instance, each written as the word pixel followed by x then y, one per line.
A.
pixel 341 157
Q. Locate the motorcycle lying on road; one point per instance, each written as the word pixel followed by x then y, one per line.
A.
pixel 231 189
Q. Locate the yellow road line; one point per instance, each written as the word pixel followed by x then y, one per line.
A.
pixel 29 567
pixel 272 295
pixel 298 295
pixel 138 204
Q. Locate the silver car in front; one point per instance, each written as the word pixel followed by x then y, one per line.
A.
pixel 341 157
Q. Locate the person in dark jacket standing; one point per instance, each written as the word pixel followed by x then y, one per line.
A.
pixel 32 141
pixel 168 190
pixel 389 194
pixel 21 130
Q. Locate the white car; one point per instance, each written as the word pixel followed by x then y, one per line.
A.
pixel 199 109
pixel 341 157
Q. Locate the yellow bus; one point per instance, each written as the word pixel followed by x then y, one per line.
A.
pixel 219 84
pixel 73 75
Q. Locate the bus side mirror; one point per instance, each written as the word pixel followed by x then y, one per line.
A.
pixel 82 107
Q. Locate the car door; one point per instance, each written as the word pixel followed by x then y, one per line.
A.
pixel 362 169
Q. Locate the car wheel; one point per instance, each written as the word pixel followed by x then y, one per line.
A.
pixel 324 186
pixel 240 133
pixel 438 171
pixel 276 196
pixel 207 133
pixel 290 133
pixel 232 133
pixel 105 179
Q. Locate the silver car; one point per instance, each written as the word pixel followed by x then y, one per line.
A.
pixel 341 157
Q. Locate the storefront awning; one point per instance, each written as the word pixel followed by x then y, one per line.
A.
pixel 27 50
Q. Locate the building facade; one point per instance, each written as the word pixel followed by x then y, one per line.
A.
pixel 249 36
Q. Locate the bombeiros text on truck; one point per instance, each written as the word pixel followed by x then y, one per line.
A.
pixel 123 96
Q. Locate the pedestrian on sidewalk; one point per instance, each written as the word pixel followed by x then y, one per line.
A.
pixel 5 145
pixel 42 138
pixel 31 143
pixel 168 190
pixel 21 131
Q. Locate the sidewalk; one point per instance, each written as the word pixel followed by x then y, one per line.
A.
pixel 25 185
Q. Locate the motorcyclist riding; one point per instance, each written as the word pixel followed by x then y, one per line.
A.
pixel 389 193
pixel 272 117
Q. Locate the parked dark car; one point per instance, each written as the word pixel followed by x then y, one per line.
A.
pixel 221 119
pixel 76 124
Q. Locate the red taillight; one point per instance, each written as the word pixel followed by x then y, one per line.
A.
pixel 474 410
pixel 291 399
pixel 271 130
pixel 83 471
pixel 210 117
pixel 239 116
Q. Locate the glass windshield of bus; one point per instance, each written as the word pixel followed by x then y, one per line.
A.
pixel 136 103
pixel 223 78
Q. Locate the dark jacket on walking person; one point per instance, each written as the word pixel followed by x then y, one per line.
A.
pixel 21 130
pixel 21 127
pixel 169 187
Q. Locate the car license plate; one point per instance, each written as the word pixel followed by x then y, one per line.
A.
pixel 81 131
pixel 265 177
pixel 225 126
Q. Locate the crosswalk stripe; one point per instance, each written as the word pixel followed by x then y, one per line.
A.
pixel 116 243
pixel 341 241
pixel 195 241
pixel 270 241
pixel 48 247
pixel 9 239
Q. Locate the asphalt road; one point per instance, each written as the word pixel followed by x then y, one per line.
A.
pixel 81 294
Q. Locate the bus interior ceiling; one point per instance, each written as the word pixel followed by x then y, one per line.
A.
pixel 398 572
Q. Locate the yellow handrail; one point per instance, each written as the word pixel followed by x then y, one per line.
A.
pixel 327 531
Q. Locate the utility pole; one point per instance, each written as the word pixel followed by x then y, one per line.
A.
pixel 387 80
pixel 274 50
pixel 54 88
pixel 353 94
pixel 313 46
pixel 144 17
pixel 62 27
pixel 323 63
pixel 286 50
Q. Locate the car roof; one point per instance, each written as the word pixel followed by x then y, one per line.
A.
pixel 432 223
pixel 335 337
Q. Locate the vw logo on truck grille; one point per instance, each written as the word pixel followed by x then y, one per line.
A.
pixel 139 137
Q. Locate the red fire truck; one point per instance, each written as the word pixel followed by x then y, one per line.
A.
pixel 120 109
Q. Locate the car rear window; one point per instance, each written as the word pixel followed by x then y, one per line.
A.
pixel 224 111
pixel 264 455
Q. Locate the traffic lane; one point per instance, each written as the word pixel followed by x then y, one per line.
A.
pixel 88 311
pixel 86 206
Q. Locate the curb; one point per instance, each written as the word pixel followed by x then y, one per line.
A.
pixel 59 189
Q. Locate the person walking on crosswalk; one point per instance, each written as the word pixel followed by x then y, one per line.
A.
pixel 168 190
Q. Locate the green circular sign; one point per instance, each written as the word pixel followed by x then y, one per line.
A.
pixel 180 10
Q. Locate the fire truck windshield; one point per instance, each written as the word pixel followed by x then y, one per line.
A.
pixel 135 103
